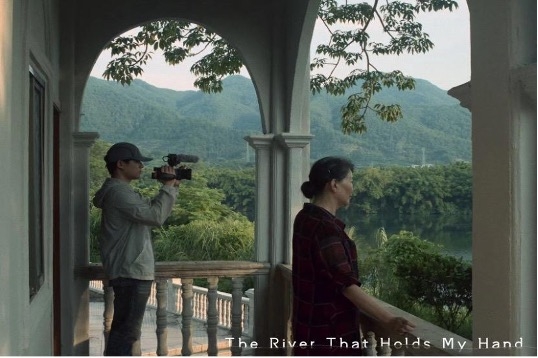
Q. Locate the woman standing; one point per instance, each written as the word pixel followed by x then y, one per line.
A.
pixel 327 294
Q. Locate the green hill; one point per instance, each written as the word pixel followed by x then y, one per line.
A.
pixel 435 128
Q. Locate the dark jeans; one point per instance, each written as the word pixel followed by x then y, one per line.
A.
pixel 130 298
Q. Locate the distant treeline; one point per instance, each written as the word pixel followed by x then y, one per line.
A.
pixel 441 189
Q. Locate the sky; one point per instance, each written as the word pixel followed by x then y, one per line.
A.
pixel 446 65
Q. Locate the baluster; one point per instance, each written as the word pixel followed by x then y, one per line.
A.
pixel 200 304
pixel 245 315
pixel 203 307
pixel 199 307
pixel 224 313
pixel 161 331
pixel 398 351
pixel 236 330
pixel 386 350
pixel 219 310
pixel 372 344
pixel 171 297
pixel 228 317
pixel 194 304
pixel 179 303
pixel 212 316
pixel 186 316
pixel 108 313
pixel 250 294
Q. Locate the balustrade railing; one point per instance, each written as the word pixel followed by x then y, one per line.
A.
pixel 227 310
pixel 200 306
pixel 426 339
pixel 233 310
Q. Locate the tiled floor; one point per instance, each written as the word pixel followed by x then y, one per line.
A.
pixel 149 338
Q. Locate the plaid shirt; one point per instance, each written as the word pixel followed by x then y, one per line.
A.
pixel 324 263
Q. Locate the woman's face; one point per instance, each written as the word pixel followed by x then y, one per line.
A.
pixel 344 190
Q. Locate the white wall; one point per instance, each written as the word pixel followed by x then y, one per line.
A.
pixel 26 39
pixel 13 235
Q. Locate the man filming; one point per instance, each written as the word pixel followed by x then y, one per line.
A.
pixel 125 240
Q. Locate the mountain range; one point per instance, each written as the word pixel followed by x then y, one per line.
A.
pixel 435 128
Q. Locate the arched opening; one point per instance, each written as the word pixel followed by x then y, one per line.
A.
pixel 168 132
pixel 213 219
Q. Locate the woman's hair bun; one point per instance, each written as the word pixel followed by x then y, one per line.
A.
pixel 308 189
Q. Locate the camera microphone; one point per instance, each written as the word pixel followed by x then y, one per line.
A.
pixel 186 158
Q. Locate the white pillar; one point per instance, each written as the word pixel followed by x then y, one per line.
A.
pixel 79 298
pixel 262 146
pixel 280 171
pixel 296 169
pixel 503 38
pixel 263 232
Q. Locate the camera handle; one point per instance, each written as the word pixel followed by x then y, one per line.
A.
pixel 166 176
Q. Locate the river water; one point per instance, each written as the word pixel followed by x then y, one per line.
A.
pixel 452 232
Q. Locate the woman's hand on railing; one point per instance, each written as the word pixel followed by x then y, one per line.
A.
pixel 400 325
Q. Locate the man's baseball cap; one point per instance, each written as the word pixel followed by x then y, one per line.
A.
pixel 124 151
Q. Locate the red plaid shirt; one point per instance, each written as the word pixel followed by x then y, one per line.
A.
pixel 324 263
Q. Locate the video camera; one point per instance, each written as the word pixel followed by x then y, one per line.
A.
pixel 181 172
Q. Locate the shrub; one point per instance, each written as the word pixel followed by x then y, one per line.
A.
pixel 200 240
pixel 414 275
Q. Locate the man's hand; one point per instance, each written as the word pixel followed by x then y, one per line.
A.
pixel 169 170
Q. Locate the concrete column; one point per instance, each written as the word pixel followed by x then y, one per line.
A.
pixel 262 237
pixel 79 298
pixel 280 170
pixel 296 169
pixel 262 146
pixel 504 175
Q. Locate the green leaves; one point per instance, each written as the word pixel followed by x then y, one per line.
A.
pixel 358 104
pixel 437 5
pixel 350 45
pixel 416 276
pixel 178 40
pixel 212 68
pixel 431 278
pixel 203 240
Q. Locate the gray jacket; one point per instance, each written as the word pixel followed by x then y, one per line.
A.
pixel 126 221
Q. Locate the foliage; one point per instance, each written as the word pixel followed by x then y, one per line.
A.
pixel 414 275
pixel 178 40
pixel 161 121
pixel 95 227
pixel 98 171
pixel 201 240
pixel 438 189
pixel 350 44
pixel 238 186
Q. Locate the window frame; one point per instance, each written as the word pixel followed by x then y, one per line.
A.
pixel 36 181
